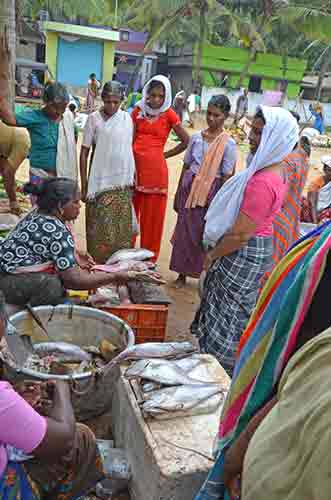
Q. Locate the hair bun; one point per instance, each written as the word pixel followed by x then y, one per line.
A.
pixel 34 189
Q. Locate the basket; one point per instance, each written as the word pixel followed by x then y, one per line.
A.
pixel 149 322
pixel 91 392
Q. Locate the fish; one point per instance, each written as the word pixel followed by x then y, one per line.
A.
pixel 64 352
pixel 150 386
pixel 161 371
pixel 190 363
pixel 125 265
pixel 165 350
pixel 183 400
pixel 130 254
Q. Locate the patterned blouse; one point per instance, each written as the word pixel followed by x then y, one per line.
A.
pixel 38 239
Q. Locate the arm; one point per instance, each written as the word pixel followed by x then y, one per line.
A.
pixel 313 198
pixel 84 154
pixel 76 278
pixel 184 140
pixel 60 433
pixel 239 235
pixel 235 455
pixel 229 161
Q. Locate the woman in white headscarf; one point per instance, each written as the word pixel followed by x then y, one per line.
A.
pixel 239 236
pixel 154 119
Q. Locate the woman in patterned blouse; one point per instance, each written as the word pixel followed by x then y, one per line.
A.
pixel 38 259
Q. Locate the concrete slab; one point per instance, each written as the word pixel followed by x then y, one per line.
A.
pixel 170 459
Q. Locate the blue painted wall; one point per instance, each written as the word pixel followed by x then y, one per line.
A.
pixel 77 60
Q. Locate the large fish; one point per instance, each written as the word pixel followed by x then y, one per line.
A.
pixel 125 265
pixel 161 371
pixel 184 400
pixel 190 363
pixel 130 254
pixel 165 350
pixel 63 351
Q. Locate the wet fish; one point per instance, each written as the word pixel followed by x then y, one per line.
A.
pixel 130 254
pixel 150 386
pixel 183 400
pixel 161 371
pixel 153 350
pixel 190 363
pixel 63 351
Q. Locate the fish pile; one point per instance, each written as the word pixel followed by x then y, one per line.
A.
pixel 63 358
pixel 163 371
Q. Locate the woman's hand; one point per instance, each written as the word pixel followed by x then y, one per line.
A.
pixel 208 262
pixel 85 261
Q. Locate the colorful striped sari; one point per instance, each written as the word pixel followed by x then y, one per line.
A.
pixel 287 223
pixel 268 343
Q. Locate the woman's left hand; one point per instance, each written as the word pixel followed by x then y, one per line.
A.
pixel 209 260
pixel 86 262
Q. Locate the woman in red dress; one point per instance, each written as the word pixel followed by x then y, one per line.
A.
pixel 154 119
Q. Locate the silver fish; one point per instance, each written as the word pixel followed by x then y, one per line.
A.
pixel 130 254
pixel 150 386
pixel 69 353
pixel 185 399
pixel 190 363
pixel 206 407
pixel 153 350
pixel 161 371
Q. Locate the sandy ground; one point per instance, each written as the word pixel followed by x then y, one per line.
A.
pixel 185 301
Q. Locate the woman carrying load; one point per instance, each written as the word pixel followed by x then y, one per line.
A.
pixel 238 233
pixel 209 162
pixel 38 259
pixel 274 437
pixel 154 119
pixel 108 189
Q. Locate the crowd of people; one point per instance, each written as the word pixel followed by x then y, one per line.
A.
pixel 262 313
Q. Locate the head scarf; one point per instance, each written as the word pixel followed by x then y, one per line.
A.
pixel 326 160
pixel 143 105
pixel 269 341
pixel 279 136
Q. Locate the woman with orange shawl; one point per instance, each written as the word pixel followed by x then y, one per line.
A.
pixel 209 161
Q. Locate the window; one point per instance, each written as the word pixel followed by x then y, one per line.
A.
pixel 125 35
pixel 255 84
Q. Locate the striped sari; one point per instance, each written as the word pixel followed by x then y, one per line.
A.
pixel 286 224
pixel 268 343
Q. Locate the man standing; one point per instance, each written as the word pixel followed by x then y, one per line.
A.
pixel 242 107
pixel 194 106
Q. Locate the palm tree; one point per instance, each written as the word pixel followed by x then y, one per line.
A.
pixel 7 26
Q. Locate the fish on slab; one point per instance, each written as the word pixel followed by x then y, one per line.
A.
pixel 130 254
pixel 161 371
pixel 165 350
pixel 184 399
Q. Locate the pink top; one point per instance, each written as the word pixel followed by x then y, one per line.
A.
pixel 20 425
pixel 263 199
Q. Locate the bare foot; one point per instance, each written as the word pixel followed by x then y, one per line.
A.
pixel 15 208
pixel 180 281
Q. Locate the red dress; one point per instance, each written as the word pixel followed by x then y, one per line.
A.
pixel 150 198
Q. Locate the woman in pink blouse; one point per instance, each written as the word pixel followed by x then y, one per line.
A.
pixel 239 228
pixel 43 456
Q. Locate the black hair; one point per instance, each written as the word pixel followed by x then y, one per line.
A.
pixel 72 106
pixel 154 85
pixel 93 76
pixel 260 116
pixel 52 194
pixel 296 116
pixel 305 144
pixel 221 102
pixel 112 88
pixel 56 93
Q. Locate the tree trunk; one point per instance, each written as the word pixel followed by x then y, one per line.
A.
pixel 321 75
pixel 8 19
pixel 244 73
pixel 202 36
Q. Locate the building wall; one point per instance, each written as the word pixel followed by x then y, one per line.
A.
pixel 51 51
pixel 108 61
pixel 77 58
